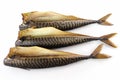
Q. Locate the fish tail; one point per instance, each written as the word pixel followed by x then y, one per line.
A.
pixel 103 20
pixel 96 53
pixel 105 39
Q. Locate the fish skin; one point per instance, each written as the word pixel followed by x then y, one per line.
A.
pixel 59 21
pixel 46 16
pixel 55 41
pixel 50 37
pixel 44 57
pixel 62 25
pixel 39 62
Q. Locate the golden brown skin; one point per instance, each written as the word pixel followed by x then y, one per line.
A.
pixel 37 57
pixel 46 16
pixel 59 21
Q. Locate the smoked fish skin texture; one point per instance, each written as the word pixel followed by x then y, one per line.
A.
pixel 38 62
pixel 37 57
pixel 55 41
pixel 50 37
pixel 60 21
pixel 62 25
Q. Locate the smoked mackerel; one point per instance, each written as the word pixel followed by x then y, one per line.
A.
pixel 63 22
pixel 38 57
pixel 50 37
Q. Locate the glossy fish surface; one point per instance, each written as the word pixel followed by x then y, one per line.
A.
pixel 50 37
pixel 59 21
pixel 37 57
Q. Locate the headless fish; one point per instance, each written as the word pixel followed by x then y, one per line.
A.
pixel 50 37
pixel 59 21
pixel 37 57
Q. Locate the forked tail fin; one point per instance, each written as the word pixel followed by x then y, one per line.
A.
pixel 103 20
pixel 106 40
pixel 96 53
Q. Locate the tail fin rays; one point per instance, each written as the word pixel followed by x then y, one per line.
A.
pixel 106 40
pixel 96 53
pixel 103 20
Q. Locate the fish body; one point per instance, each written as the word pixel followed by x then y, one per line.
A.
pixel 54 41
pixel 50 37
pixel 41 62
pixel 37 57
pixel 59 21
pixel 62 25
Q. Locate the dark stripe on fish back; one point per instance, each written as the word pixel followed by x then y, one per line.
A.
pixel 62 25
pixel 41 62
pixel 54 41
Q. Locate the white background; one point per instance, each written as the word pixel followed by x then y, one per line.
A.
pixel 92 69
